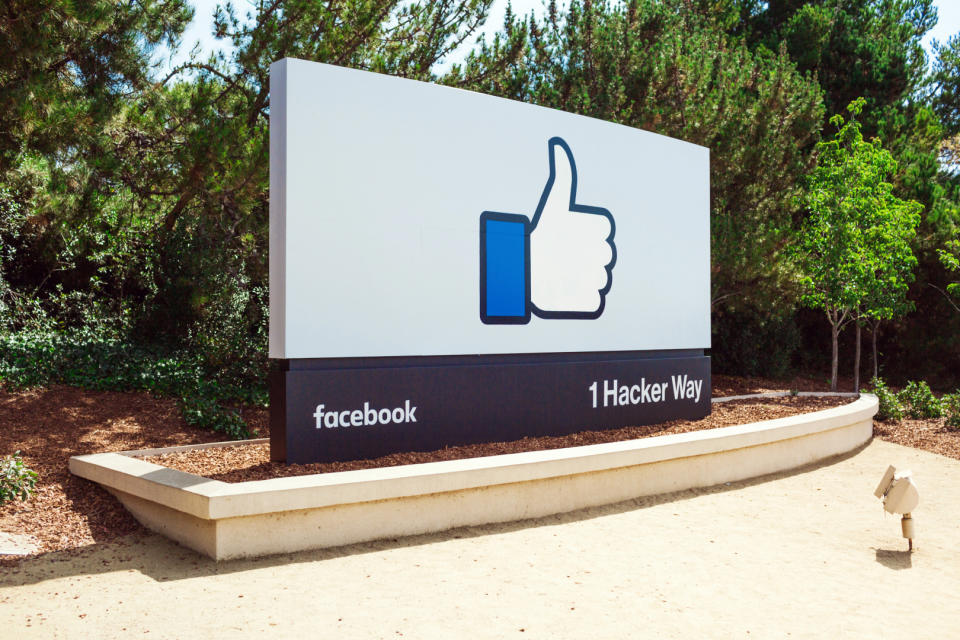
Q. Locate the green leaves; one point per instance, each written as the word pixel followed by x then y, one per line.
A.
pixel 867 48
pixel 209 396
pixel 17 480
pixel 854 247
pixel 950 259
pixel 916 400
pixel 951 409
pixel 890 407
pixel 946 78
pixel 66 66
pixel 919 402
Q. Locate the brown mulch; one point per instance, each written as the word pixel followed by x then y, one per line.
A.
pixel 49 425
pixel 930 435
pixel 736 386
pixel 252 462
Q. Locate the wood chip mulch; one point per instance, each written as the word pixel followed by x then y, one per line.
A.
pixel 736 386
pixel 252 462
pixel 49 425
pixel 931 435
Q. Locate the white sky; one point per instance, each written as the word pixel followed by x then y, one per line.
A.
pixel 201 28
pixel 948 24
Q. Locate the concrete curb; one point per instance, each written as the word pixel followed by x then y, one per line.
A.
pixel 263 517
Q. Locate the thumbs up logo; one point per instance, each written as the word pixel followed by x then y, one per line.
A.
pixel 558 265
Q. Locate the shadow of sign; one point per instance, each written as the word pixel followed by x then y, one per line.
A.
pixel 897 560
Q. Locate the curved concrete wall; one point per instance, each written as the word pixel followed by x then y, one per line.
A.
pixel 262 517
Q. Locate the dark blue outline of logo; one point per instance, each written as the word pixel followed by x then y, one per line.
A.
pixel 528 226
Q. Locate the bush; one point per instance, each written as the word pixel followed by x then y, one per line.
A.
pixel 204 411
pixel 17 480
pixel 951 407
pixel 890 408
pixel 919 401
pixel 95 359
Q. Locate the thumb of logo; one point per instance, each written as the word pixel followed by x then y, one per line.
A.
pixel 557 265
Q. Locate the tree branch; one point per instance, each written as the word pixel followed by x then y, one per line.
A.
pixel 945 295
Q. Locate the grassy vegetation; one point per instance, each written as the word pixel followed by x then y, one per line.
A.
pixel 916 400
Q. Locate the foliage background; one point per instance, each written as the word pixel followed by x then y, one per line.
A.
pixel 134 196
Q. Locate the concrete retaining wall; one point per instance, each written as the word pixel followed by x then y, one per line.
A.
pixel 224 520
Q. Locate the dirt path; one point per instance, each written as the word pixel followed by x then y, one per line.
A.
pixel 806 554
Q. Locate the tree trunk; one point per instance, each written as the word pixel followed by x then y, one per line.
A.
pixel 834 333
pixel 856 363
pixel 876 362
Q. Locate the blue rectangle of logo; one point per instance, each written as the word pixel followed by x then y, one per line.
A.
pixel 506 268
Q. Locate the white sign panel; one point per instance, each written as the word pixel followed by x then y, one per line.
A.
pixel 411 219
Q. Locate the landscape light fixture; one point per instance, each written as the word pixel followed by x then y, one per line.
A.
pixel 899 495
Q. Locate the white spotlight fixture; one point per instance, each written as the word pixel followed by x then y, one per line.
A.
pixel 899 495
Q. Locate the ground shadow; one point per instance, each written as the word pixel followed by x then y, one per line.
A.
pixel 163 560
pixel 893 559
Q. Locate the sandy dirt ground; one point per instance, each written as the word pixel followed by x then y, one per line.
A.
pixel 808 553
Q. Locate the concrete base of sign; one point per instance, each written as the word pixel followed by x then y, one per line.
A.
pixel 263 517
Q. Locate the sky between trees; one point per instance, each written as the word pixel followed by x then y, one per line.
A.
pixel 201 29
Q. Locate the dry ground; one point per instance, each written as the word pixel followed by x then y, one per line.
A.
pixel 803 554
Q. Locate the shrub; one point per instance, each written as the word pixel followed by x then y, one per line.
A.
pixel 99 360
pixel 919 402
pixel 951 407
pixel 17 480
pixel 205 412
pixel 890 408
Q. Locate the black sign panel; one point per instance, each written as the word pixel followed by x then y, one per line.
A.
pixel 325 411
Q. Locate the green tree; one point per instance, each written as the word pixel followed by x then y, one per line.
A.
pixel 946 83
pixel 873 49
pixel 68 66
pixel 890 230
pixel 67 72
pixel 854 246
pixel 950 259
pixel 856 48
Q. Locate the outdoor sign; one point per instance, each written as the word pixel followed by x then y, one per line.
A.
pixel 448 268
